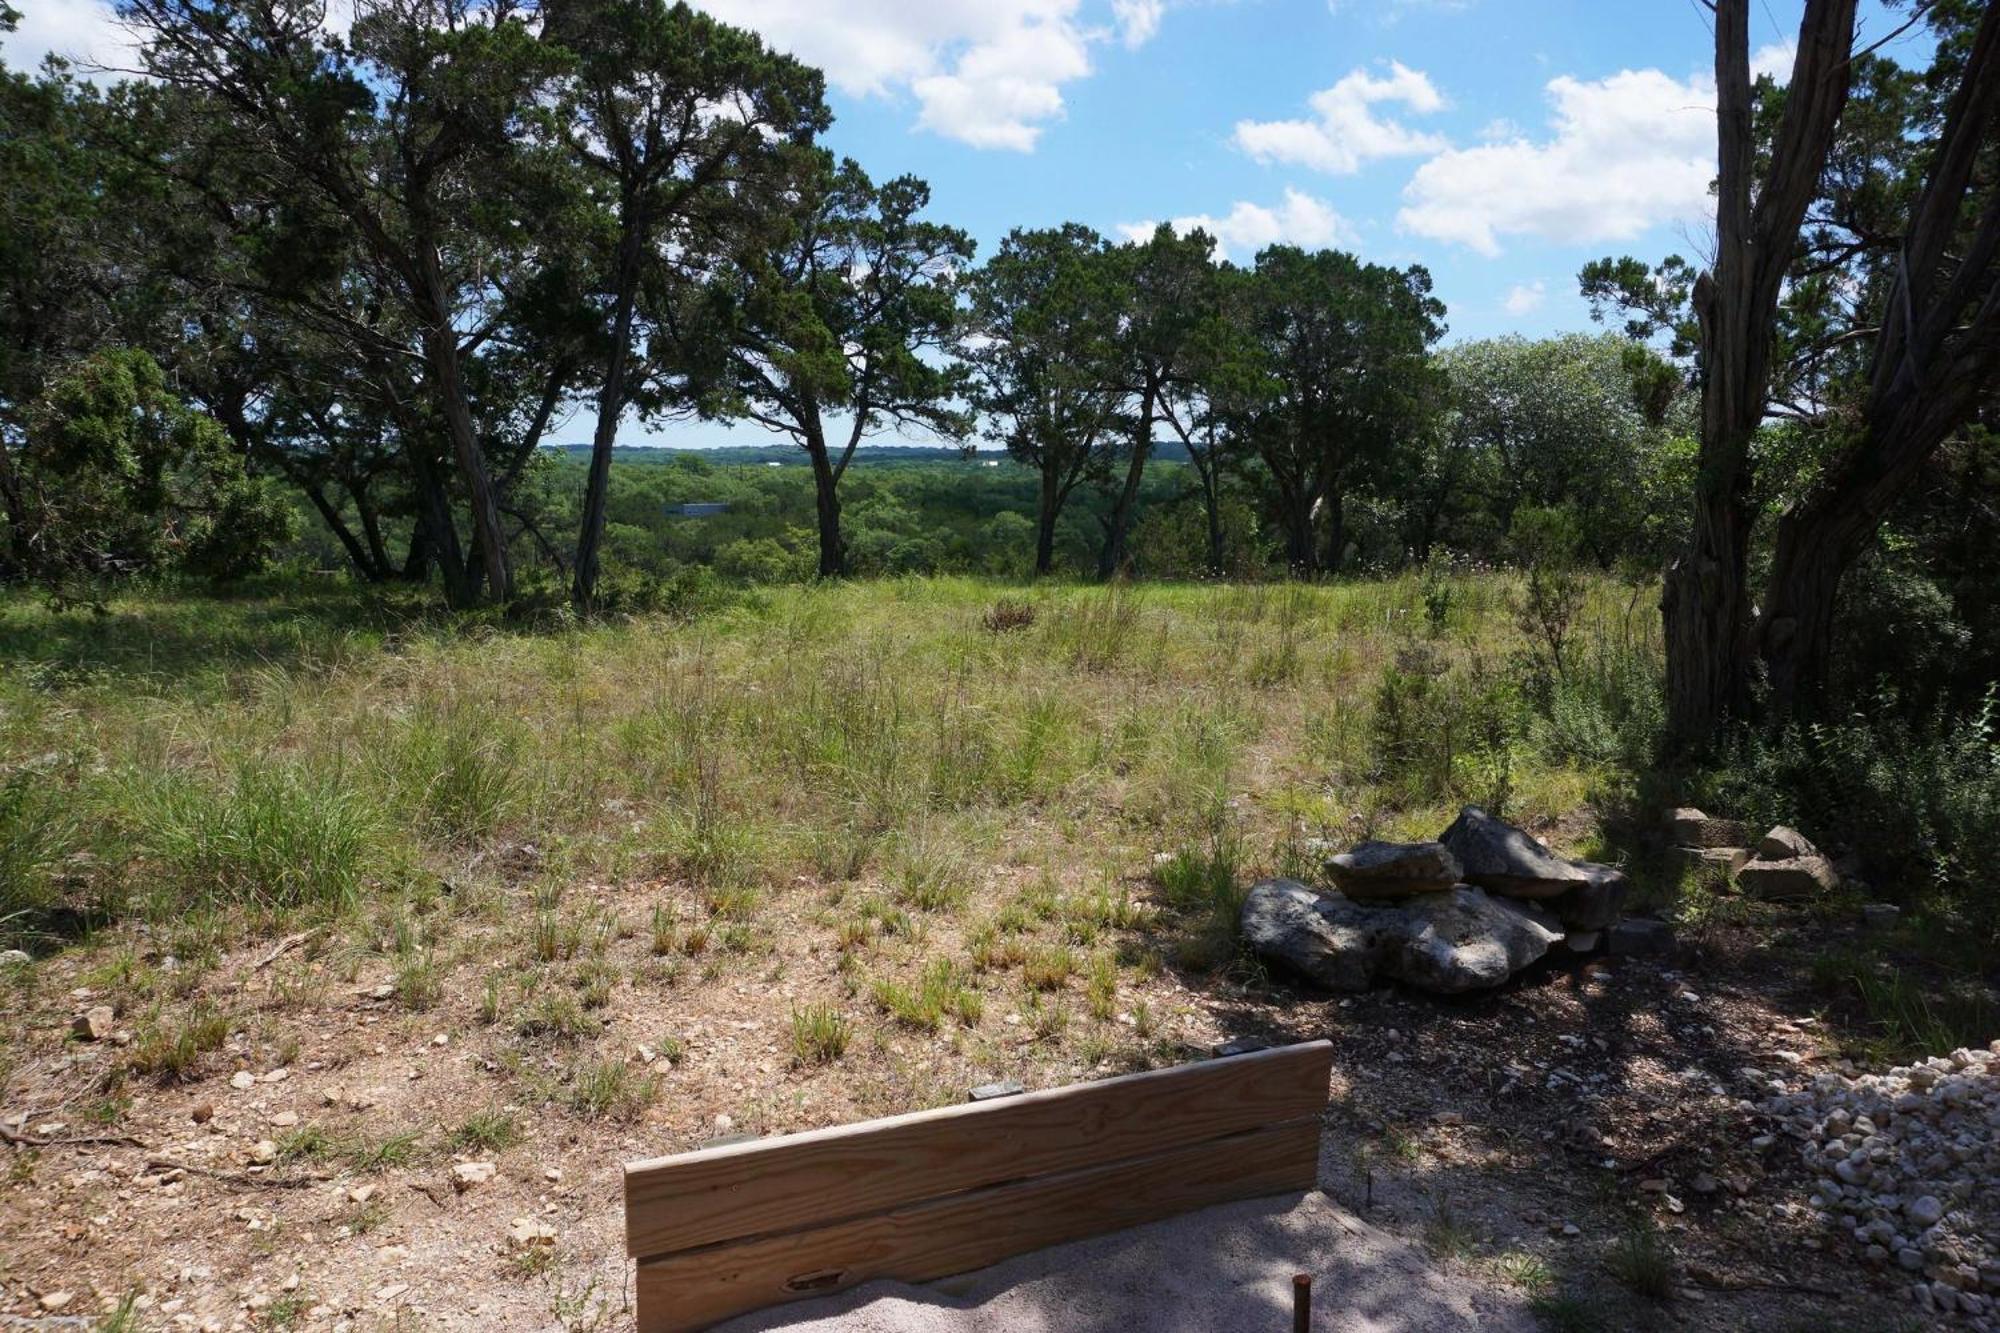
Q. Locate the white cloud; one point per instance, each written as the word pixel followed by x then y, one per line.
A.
pixel 89 34
pixel 1775 60
pixel 1346 131
pixel 1137 20
pixel 1525 296
pixel 986 72
pixel 1625 154
pixel 1300 220
pixel 85 32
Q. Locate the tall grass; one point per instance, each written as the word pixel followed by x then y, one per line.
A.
pixel 273 835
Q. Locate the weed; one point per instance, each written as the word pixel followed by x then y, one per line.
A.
pixel 1642 1263
pixel 609 1089
pixel 820 1034
pixel 485 1131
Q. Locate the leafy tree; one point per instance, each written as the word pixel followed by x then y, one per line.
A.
pixel 1042 344
pixel 1571 422
pixel 1168 284
pixel 1853 291
pixel 406 135
pixel 1336 374
pixel 677 120
pixel 839 328
pixel 117 477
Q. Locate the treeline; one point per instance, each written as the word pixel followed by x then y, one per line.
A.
pixel 380 270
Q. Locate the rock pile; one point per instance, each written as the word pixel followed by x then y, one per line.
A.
pixel 1462 913
pixel 1908 1162
pixel 1784 866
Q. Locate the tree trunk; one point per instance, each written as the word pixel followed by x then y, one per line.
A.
pixel 1301 552
pixel 1705 604
pixel 1336 529
pixel 1047 506
pixel 371 527
pixel 461 587
pixel 826 498
pixel 1112 557
pixel 489 538
pixel 610 408
pixel 357 554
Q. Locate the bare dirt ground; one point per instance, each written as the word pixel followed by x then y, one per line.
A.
pixel 301 1175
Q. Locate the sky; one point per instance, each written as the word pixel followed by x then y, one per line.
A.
pixel 1500 143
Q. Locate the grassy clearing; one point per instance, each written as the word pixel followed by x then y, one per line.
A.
pixel 320 751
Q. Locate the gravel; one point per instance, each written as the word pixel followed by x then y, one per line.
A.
pixel 1908 1166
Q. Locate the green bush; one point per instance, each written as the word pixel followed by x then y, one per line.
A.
pixel 275 835
pixel 1918 800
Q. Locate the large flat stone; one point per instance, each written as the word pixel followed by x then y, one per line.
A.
pixel 1393 869
pixel 1503 859
pixel 1459 940
pixel 1790 880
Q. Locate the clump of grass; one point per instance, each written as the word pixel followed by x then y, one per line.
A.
pixel 276 835
pixel 307 1143
pixel 485 1131
pixel 418 985
pixel 171 1047
pixel 1007 615
pixel 931 874
pixel 1642 1263
pixel 1203 882
pixel 38 830
pixel 939 993
pixel 666 933
pixel 458 772
pixel 1446 1234
pixel 609 1089
pixel 383 1154
pixel 1101 988
pixel 820 1034
pixel 1048 967
pixel 556 1014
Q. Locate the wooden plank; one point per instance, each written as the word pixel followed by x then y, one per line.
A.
pixel 801 1180
pixel 955 1234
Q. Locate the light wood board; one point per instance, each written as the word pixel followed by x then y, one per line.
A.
pixel 972 1229
pixel 853 1171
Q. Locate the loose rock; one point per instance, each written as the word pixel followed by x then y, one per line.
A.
pixel 1394 869
pixel 1691 828
pixel 1784 844
pixel 94 1024
pixel 467 1175
pixel 1503 859
pixel 1782 881
pixel 1445 942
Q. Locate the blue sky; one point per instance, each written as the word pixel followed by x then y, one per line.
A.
pixel 1501 143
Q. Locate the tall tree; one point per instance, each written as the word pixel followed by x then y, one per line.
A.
pixel 1855 289
pixel 408 131
pixel 1335 375
pixel 680 118
pixel 1169 283
pixel 844 325
pixel 1042 343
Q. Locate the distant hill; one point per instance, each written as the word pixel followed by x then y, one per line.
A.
pixel 876 455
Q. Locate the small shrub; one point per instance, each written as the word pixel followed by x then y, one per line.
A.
pixel 1008 614
pixel 819 1034
pixel 610 1089
pixel 1642 1263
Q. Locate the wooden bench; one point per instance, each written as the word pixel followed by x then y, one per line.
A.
pixel 916 1197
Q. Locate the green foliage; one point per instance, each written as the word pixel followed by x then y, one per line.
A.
pixel 39 828
pixel 116 477
pixel 272 835
pixel 1919 799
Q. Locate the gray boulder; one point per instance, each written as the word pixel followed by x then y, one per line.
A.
pixel 1393 869
pixel 1788 880
pixel 1593 904
pixel 1784 844
pixel 1502 859
pixel 1725 861
pixel 1691 828
pixel 1640 936
pixel 1447 942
